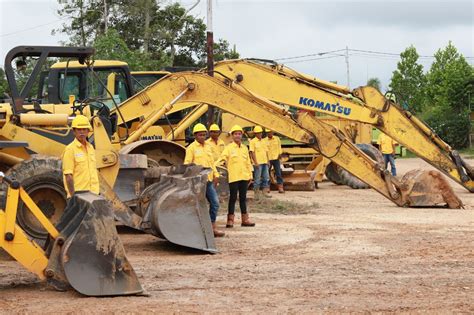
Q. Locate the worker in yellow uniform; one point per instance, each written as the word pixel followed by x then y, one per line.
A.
pixel 274 153
pixel 216 144
pixel 259 154
pixel 79 163
pixel 200 153
pixel 237 160
pixel 387 147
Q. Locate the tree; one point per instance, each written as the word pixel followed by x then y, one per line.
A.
pixel 222 51
pixel 374 82
pixel 143 25
pixel 448 100
pixel 111 46
pixel 449 80
pixel 408 81
pixel 3 83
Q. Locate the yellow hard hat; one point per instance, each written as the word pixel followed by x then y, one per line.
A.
pixel 268 130
pixel 214 127
pixel 257 129
pixel 199 128
pixel 236 128
pixel 81 121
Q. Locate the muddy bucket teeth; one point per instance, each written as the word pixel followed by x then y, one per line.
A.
pixel 423 188
pixel 88 255
pixel 175 208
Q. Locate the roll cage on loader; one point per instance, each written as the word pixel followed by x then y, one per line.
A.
pixel 186 89
pixel 364 104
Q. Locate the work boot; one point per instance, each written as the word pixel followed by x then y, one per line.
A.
pixel 230 221
pixel 246 220
pixel 266 192
pixel 280 189
pixel 217 233
pixel 256 194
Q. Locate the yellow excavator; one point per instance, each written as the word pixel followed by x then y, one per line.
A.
pixel 286 86
pixel 186 89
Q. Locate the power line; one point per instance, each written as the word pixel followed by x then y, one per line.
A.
pixel 310 55
pixel 312 59
pixel 32 28
pixel 358 53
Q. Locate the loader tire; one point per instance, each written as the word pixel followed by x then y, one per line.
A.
pixel 42 179
pixel 352 181
pixel 333 173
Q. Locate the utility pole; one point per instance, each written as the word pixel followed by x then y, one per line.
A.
pixel 210 56
pixel 347 67
pixel 106 17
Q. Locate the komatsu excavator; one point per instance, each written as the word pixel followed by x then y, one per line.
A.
pixel 283 85
pixel 186 89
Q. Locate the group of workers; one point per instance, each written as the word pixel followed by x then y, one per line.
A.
pixel 80 172
pixel 242 163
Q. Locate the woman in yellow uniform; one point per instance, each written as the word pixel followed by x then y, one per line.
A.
pixel 236 158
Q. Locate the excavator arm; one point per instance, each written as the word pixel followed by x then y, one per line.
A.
pixel 197 88
pixel 364 104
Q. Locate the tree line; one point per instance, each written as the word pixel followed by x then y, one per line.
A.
pixel 443 96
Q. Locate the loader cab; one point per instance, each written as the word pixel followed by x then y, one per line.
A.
pixel 142 79
pixel 109 83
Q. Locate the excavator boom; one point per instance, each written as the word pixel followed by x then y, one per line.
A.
pixel 223 93
pixel 364 104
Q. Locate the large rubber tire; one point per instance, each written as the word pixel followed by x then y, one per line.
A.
pixel 42 179
pixel 352 181
pixel 333 173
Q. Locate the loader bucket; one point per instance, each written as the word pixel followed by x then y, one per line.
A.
pixel 175 207
pixel 428 189
pixel 88 255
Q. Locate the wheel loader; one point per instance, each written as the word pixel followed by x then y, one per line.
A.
pixel 177 211
pixel 84 253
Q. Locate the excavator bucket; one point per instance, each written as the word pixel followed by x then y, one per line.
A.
pixel 427 189
pixel 175 206
pixel 88 255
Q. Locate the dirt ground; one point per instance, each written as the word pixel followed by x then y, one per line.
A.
pixel 354 252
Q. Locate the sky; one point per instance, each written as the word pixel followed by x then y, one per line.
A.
pixel 285 30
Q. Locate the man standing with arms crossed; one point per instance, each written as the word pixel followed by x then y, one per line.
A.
pixel 259 154
pixel 274 152
pixel 200 153
pixel 79 163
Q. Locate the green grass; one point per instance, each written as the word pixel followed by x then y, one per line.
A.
pixel 469 153
pixel 408 154
pixel 270 205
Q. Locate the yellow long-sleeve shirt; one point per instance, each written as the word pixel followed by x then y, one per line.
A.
pixel 259 147
pixel 237 159
pixel 217 148
pixel 274 147
pixel 201 154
